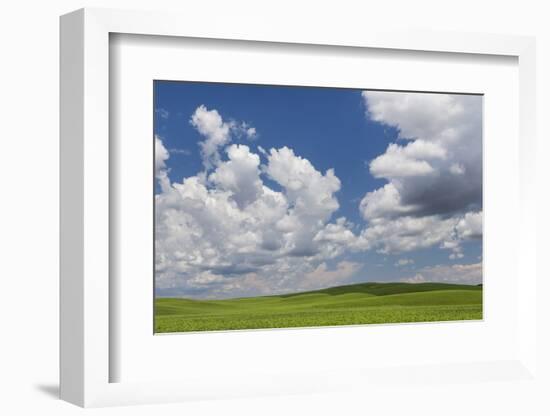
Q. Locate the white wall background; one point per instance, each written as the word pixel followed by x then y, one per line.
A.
pixel 29 56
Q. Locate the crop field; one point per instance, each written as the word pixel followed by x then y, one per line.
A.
pixel 366 303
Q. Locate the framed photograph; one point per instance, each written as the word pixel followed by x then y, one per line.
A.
pixel 323 207
pixel 281 213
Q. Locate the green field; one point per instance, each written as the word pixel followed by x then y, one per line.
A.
pixel 366 303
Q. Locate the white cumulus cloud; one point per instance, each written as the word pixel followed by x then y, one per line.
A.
pixel 470 273
pixel 433 194
pixel 322 276
pixel 161 156
pixel 403 262
pixel 224 232
pixel 210 124
pixel 412 159
pixel 239 175
pixel 217 133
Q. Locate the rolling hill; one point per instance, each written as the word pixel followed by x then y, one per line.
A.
pixel 364 303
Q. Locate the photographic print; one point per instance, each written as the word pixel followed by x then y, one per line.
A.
pixel 290 206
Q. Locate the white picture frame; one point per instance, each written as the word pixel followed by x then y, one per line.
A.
pixel 86 355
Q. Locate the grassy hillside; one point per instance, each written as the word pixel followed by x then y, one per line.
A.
pixel 364 303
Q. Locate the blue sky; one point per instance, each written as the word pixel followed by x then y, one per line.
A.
pixel 422 145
